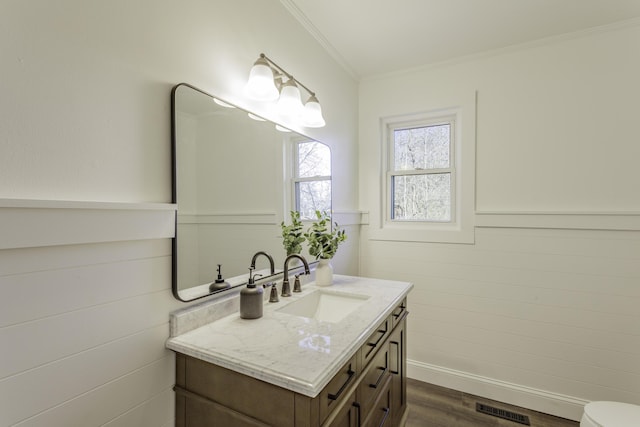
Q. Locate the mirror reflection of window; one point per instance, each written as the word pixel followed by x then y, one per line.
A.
pixel 312 178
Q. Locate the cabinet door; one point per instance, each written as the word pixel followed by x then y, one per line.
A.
pixel 398 369
pixel 203 413
pixel 239 393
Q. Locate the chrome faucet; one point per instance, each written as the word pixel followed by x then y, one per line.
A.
pixel 269 257
pixel 286 289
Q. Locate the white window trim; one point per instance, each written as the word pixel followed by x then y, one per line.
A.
pixel 461 228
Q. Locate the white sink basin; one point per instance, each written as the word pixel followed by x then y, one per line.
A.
pixel 324 305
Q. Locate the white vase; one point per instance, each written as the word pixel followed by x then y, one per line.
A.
pixel 324 273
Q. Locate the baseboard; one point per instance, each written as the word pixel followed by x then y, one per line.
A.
pixel 538 400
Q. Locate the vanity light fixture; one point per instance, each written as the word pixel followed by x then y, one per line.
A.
pixel 269 82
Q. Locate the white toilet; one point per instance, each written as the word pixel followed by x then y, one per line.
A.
pixel 610 414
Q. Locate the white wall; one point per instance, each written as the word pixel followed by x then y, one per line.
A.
pixel 542 311
pixel 84 116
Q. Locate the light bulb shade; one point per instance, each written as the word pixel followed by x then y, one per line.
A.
pixel 261 86
pixel 222 103
pixel 312 114
pixel 289 104
pixel 256 118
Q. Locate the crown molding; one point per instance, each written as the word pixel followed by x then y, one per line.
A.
pixel 294 10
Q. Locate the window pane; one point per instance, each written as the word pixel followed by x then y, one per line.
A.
pixel 314 159
pixel 422 148
pixel 312 196
pixel 422 197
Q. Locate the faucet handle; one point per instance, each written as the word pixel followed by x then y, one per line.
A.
pixel 296 284
pixel 286 289
pixel 273 296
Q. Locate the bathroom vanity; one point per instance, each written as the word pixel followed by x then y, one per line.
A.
pixel 329 356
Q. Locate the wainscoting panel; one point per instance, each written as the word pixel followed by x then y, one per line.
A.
pixel 542 318
pixel 72 288
pixel 134 396
pixel 84 314
pixel 154 412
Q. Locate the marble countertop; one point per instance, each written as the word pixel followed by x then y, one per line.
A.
pixel 296 353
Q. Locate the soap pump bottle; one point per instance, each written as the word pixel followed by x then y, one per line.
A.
pixel 251 299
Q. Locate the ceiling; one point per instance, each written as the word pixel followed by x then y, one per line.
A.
pixel 371 37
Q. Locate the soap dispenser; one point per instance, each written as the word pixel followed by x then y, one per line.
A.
pixel 219 283
pixel 251 299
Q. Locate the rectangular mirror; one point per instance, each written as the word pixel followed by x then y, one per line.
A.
pixel 228 184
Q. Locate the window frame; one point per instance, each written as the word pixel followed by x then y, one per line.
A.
pixel 391 172
pixel 461 229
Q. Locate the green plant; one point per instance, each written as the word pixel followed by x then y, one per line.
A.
pixel 323 240
pixel 292 235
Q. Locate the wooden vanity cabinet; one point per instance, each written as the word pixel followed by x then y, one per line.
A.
pixel 369 390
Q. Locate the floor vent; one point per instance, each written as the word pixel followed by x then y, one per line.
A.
pixel 502 413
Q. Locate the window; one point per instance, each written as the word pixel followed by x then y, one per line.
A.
pixel 427 175
pixel 311 178
pixel 421 176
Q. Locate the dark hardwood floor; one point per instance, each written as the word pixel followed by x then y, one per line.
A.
pixel 434 406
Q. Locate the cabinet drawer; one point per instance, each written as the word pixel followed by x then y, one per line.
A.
pixel 373 379
pixel 399 313
pixel 338 388
pixel 381 410
pixel 348 415
pixel 375 341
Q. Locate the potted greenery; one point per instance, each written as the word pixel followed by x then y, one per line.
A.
pixel 323 244
pixel 292 235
